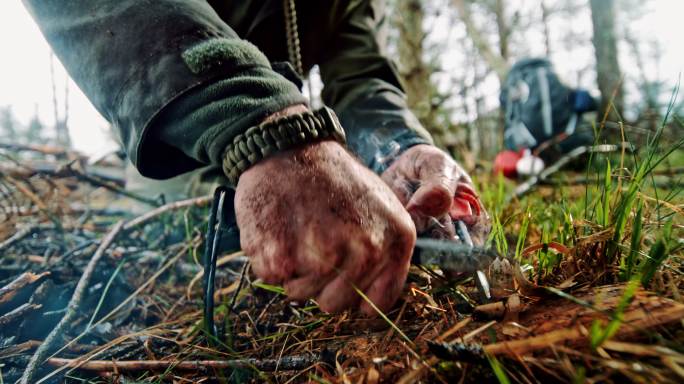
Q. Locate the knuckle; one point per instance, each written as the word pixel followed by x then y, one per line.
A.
pixel 260 267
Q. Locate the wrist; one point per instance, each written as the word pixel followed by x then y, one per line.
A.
pixel 287 129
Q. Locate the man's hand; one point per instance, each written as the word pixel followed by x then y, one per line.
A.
pixel 320 223
pixel 436 190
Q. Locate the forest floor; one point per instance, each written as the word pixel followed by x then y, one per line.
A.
pixel 590 290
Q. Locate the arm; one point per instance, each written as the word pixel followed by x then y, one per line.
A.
pixel 179 85
pixel 362 86
pixel 176 82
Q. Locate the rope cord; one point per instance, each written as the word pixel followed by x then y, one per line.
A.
pixel 293 45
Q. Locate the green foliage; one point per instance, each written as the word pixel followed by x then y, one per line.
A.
pixel 658 253
pixel 603 209
pixel 271 288
pixel 522 235
pixel 626 201
pixel 628 264
pixel 642 237
pixel 498 370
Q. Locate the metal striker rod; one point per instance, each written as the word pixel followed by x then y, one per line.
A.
pixel 479 276
pixel 210 255
pixel 463 233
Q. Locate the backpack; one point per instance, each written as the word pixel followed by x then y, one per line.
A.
pixel 538 107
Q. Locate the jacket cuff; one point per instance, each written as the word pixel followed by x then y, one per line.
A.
pixel 194 129
pixel 379 127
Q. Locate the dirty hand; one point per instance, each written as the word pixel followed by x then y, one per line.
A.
pixel 436 190
pixel 320 223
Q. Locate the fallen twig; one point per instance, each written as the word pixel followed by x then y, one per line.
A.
pixel 219 263
pixel 18 312
pixel 286 363
pixel 72 308
pixel 197 201
pixel 44 149
pixel 181 252
pixel 8 291
pixel 635 321
pixel 32 344
pixel 20 234
pixel 112 186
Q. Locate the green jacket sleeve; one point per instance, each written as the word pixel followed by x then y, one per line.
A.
pixel 362 85
pixel 134 58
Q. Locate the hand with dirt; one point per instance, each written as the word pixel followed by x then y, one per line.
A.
pixel 317 221
pixel 436 190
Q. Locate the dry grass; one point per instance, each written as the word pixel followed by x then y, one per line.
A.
pixel 600 303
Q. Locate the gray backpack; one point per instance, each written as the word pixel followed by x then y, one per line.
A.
pixel 537 106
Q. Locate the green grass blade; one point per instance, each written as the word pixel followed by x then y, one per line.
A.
pixel 607 184
pixel 635 248
pixel 498 370
pixel 657 255
pixel 522 235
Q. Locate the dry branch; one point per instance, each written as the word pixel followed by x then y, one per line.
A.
pixel 197 201
pixel 286 363
pixel 20 234
pixel 27 278
pixel 567 323
pixel 494 60
pixel 72 308
pixel 17 313
pixel 43 149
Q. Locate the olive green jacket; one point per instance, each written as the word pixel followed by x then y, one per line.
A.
pixel 179 79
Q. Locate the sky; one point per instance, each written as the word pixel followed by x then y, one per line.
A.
pixel 25 80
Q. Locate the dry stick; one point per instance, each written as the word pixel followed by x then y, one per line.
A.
pixel 43 350
pixel 197 201
pixel 74 303
pixel 144 286
pixel 18 312
pixel 26 278
pixel 219 263
pixel 412 376
pixel 111 186
pixel 43 149
pixel 26 191
pixel 455 328
pixel 287 363
pixel 20 234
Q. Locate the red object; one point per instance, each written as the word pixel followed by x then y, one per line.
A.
pixel 505 163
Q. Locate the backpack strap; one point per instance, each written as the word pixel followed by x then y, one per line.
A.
pixel 572 124
pixel 545 101
pixel 516 132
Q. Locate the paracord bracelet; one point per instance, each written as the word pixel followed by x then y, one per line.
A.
pixel 281 134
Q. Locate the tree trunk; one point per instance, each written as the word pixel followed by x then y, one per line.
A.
pixel 605 47
pixel 61 128
pixel 545 25
pixel 414 70
pixel 502 28
pixel 494 60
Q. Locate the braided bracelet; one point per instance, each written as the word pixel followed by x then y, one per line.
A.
pixel 282 134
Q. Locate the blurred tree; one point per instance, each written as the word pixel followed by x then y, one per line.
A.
pixel 61 127
pixel 495 60
pixel 545 15
pixel 8 124
pixel 35 131
pixel 416 70
pixel 608 74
